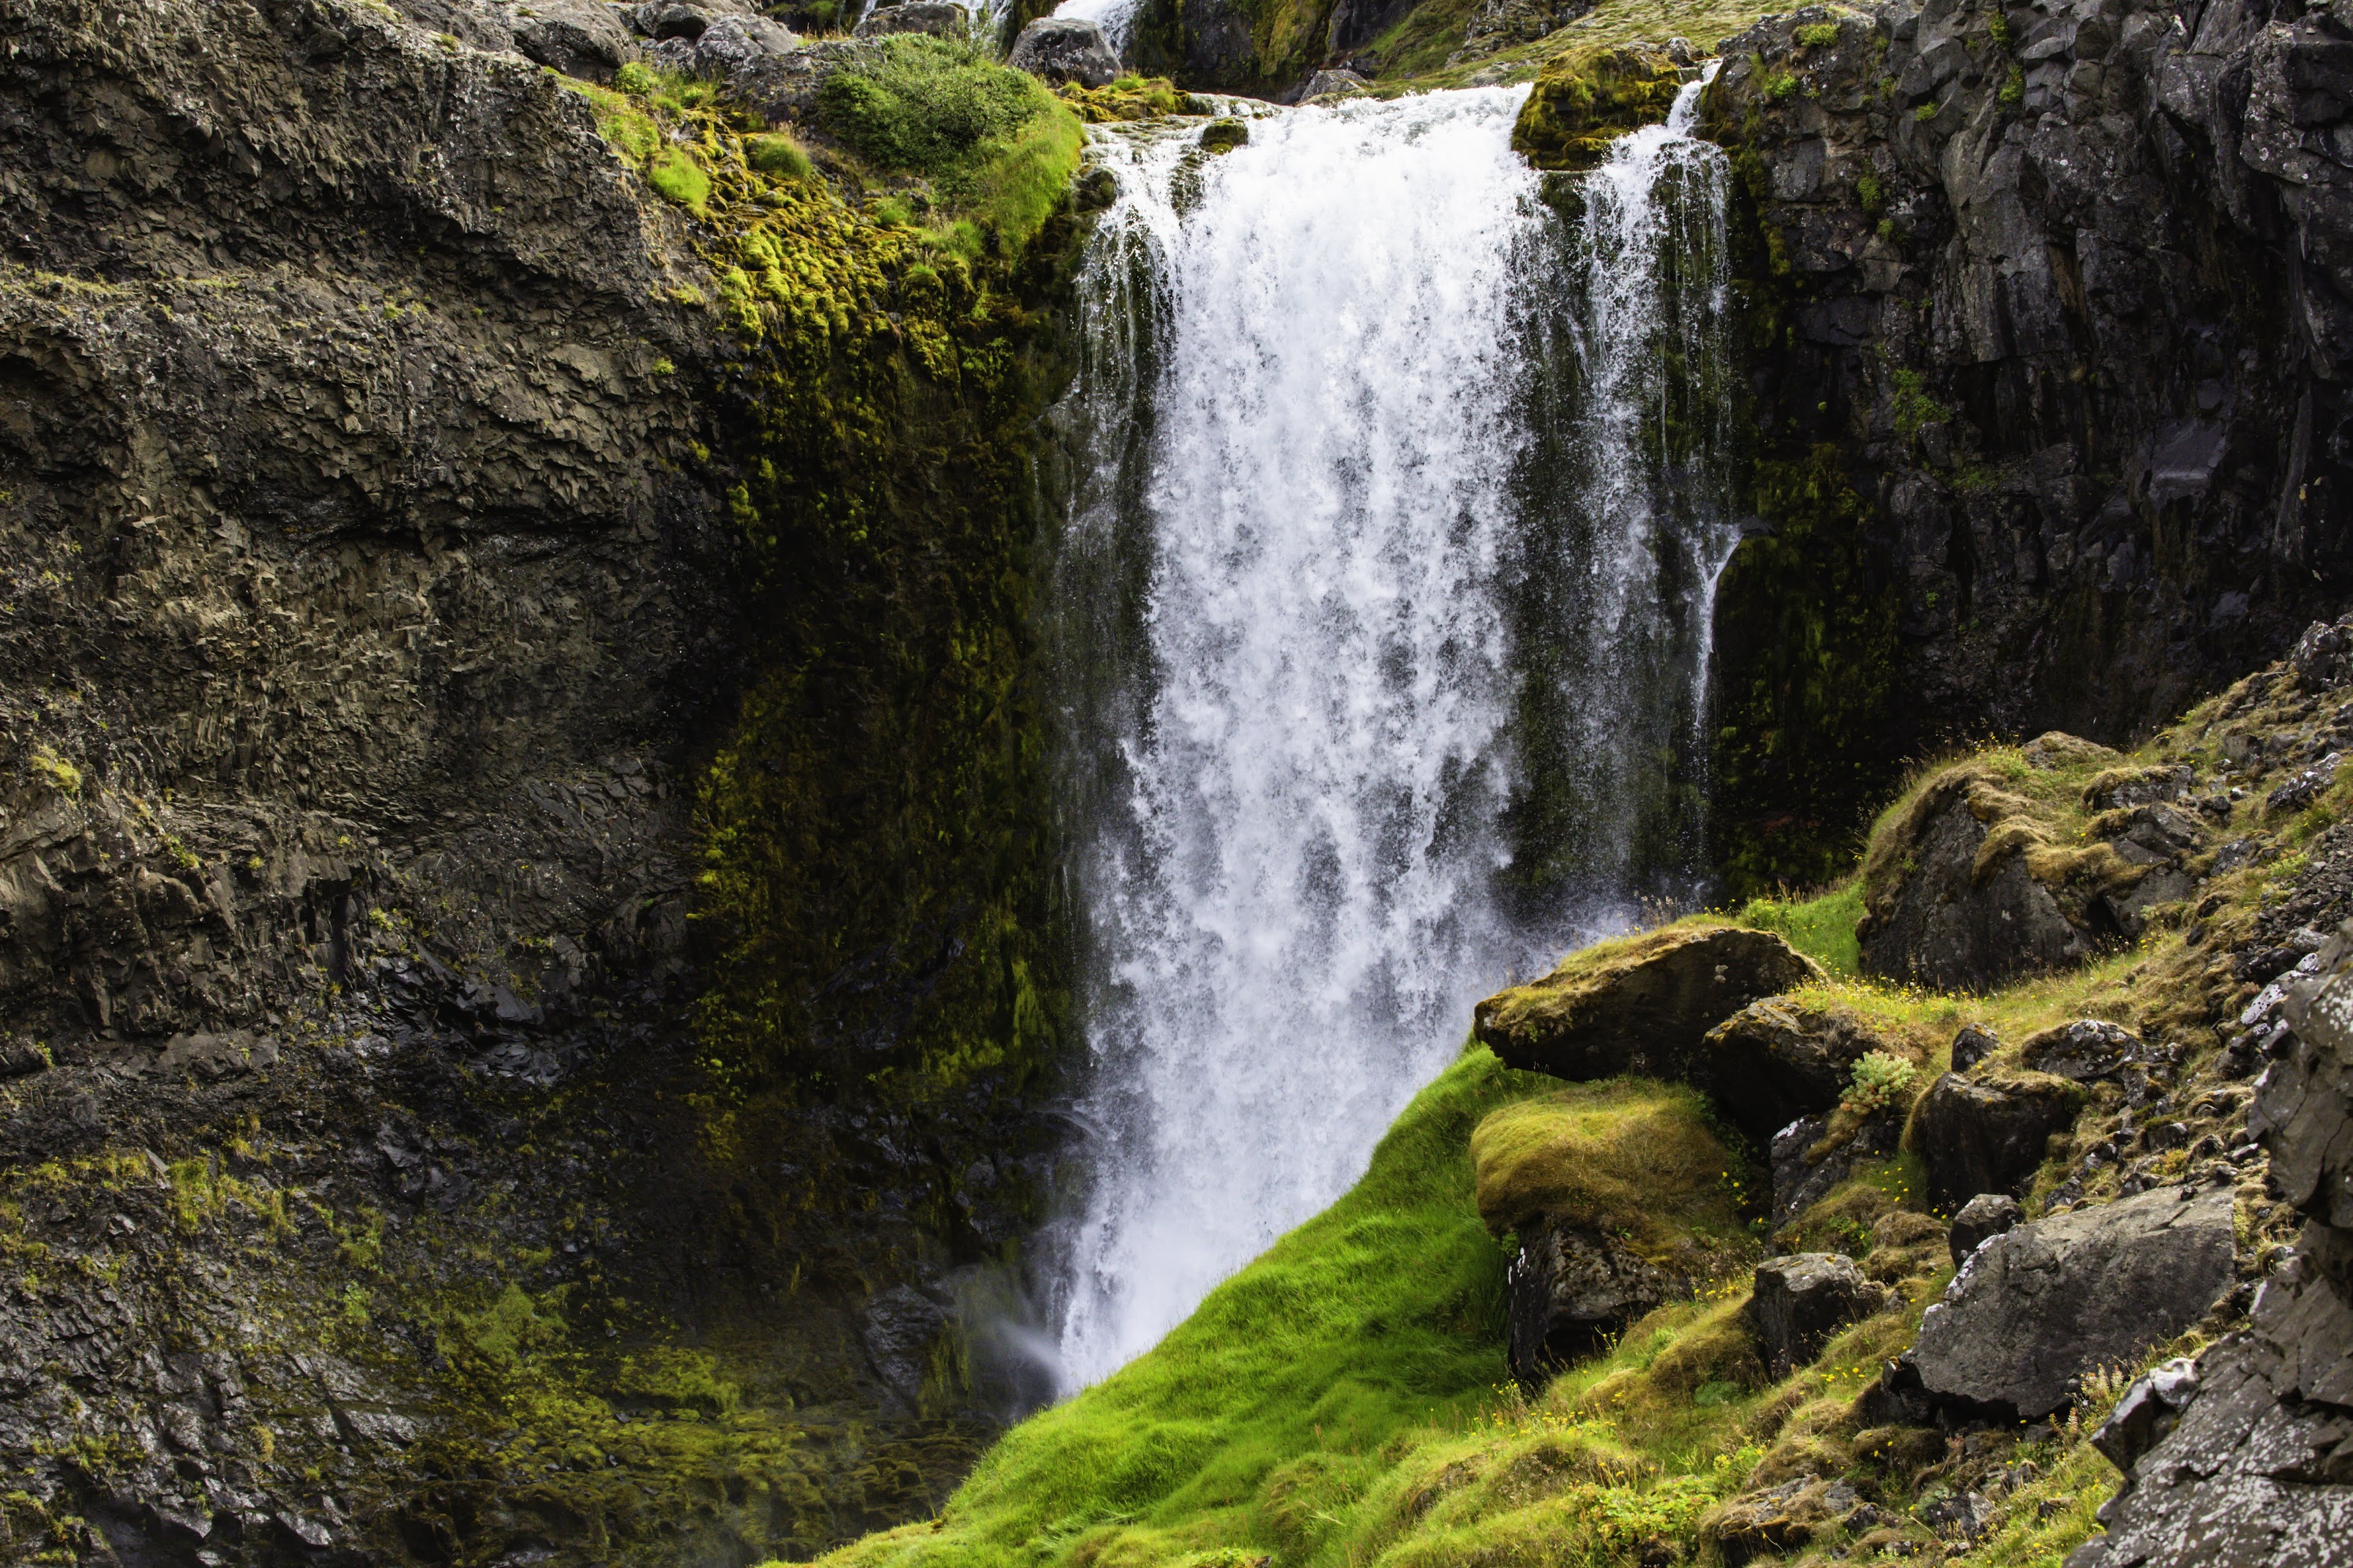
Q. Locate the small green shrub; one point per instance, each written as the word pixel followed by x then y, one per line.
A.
pixel 2013 87
pixel 1818 36
pixel 923 105
pixel 1779 85
pixel 1998 28
pixel 1914 408
pixel 1879 1081
pixel 636 79
pixel 1926 112
pixel 1869 192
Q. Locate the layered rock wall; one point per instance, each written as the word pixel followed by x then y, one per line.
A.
pixel 2048 307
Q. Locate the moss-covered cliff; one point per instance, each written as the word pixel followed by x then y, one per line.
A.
pixel 528 945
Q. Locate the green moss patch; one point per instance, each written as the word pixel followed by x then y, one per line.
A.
pixel 1587 97
pixel 1629 1156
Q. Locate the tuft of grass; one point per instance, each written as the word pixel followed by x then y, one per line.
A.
pixel 1821 927
pixel 922 105
pixel 677 175
pixel 776 153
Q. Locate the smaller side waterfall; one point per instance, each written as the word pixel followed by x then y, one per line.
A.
pixel 1380 620
pixel 1115 18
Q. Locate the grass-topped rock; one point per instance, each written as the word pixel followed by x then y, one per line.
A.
pixel 1637 1004
pixel 1621 1195
pixel 1585 98
pixel 2028 858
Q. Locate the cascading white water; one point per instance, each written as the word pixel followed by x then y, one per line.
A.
pixel 1321 392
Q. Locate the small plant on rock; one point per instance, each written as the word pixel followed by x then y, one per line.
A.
pixel 1880 1079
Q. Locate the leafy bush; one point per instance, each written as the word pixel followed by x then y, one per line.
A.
pixel 922 105
pixel 1880 1079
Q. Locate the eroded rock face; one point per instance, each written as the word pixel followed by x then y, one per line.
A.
pixel 2131 240
pixel 2037 1307
pixel 1988 1134
pixel 1641 1005
pixel 1568 1286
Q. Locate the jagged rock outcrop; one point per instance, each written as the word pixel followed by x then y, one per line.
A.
pixel 1984 1216
pixel 2037 1307
pixel 2059 304
pixel 1775 1062
pixel 2247 1457
pixel 1639 1005
pixel 1566 1286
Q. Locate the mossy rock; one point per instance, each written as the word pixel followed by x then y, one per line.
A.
pixel 1632 1157
pixel 1224 135
pixel 1586 98
pixel 1637 1004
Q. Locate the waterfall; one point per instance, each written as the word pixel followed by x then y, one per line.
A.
pixel 1115 18
pixel 1379 618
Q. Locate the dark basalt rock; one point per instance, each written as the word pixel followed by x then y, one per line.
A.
pixel 1566 1289
pixel 1804 1174
pixel 1988 1136
pixel 2086 1051
pixel 2037 1307
pixel 1063 48
pixel 1950 926
pixel 1985 1215
pixel 1971 1046
pixel 939 19
pixel 1799 1301
pixel 1774 1061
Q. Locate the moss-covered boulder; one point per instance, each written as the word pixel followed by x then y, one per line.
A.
pixel 1586 98
pixel 1637 1004
pixel 1778 1061
pixel 1619 1196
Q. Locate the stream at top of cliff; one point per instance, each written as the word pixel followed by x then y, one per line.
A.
pixel 1379 623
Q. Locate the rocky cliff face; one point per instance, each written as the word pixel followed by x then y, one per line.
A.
pixel 386 549
pixel 2051 311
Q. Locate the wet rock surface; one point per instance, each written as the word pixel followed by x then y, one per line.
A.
pixel 2037 1307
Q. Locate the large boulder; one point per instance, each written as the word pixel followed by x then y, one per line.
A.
pixel 1798 1302
pixel 2037 1307
pixel 1585 98
pixel 1638 1005
pixel 1064 49
pixel 1988 1134
pixel 1807 1166
pixel 1776 1061
pixel 1567 1287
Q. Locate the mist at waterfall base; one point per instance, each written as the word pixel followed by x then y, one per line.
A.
pixel 1380 623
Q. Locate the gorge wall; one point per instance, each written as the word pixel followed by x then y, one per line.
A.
pixel 524 939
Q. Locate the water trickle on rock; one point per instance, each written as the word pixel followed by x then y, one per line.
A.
pixel 1380 623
